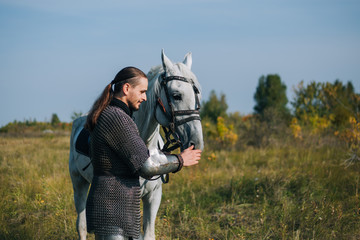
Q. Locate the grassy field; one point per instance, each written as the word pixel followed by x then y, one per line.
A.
pixel 286 191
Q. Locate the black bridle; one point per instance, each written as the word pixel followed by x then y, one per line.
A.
pixel 170 134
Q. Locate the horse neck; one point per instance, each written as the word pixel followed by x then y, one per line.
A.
pixel 146 122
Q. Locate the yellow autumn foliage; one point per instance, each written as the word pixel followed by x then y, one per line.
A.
pixel 319 124
pixel 296 128
pixel 351 135
pixel 225 134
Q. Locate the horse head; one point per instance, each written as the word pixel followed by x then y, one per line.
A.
pixel 178 99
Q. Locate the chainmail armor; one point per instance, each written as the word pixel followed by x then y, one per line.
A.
pixel 118 152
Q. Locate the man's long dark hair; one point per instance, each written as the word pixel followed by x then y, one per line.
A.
pixel 126 75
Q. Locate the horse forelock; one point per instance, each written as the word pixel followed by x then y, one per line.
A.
pixel 187 73
pixel 154 78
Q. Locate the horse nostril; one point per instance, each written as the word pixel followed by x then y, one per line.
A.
pixel 192 144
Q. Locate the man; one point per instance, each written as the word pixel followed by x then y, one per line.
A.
pixel 120 156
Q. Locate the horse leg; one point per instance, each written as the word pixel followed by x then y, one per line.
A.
pixel 151 204
pixel 81 187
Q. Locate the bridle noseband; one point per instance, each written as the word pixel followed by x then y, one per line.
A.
pixel 174 122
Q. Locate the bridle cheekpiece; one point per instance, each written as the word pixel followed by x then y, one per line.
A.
pixel 170 133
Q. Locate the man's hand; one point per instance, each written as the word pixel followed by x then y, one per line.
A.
pixel 190 156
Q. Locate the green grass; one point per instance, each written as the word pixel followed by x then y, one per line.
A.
pixel 283 193
pixel 280 192
pixel 36 193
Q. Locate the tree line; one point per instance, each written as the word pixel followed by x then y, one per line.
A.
pixel 317 110
pixel 34 127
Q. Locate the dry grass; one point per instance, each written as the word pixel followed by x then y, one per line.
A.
pixel 281 192
pixel 36 193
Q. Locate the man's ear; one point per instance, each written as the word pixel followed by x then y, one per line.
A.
pixel 126 88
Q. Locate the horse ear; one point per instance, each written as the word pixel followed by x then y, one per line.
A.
pixel 167 64
pixel 188 60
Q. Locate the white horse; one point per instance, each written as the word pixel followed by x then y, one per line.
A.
pixel 173 100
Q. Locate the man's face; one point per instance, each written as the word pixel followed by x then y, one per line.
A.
pixel 137 94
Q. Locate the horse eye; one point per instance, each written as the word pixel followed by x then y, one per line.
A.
pixel 177 97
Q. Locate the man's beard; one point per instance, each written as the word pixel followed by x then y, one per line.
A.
pixel 133 108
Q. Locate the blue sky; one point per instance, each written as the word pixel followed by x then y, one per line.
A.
pixel 57 56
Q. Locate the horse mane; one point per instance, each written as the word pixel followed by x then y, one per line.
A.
pixel 154 85
pixel 147 107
